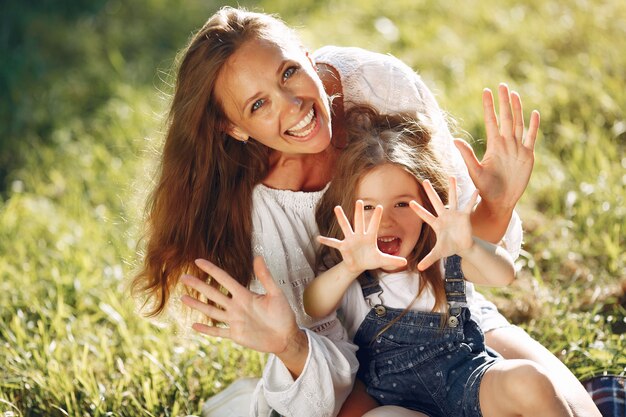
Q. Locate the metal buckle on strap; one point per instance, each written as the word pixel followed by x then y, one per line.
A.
pixel 453 315
pixel 379 308
pixel 450 282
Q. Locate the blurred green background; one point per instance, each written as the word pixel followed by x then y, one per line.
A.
pixel 83 86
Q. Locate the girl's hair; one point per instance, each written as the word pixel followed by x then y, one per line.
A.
pixel 375 140
pixel 202 202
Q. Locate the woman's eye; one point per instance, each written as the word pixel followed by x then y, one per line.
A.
pixel 257 105
pixel 402 204
pixel 368 207
pixel 289 72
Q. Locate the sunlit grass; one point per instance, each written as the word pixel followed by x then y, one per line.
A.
pixel 71 340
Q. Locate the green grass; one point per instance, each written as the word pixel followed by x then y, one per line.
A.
pixel 81 120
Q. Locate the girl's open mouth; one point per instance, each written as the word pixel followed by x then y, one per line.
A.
pixel 389 245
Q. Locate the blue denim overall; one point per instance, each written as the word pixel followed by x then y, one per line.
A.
pixel 420 363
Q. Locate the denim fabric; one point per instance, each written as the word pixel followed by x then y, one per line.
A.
pixel 424 361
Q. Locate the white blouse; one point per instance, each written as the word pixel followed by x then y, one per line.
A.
pixel 284 232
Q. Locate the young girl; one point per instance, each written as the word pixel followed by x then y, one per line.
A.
pixel 406 310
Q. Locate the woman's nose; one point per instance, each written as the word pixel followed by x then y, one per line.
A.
pixel 293 102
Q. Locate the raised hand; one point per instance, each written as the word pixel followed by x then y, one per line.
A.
pixel 451 225
pixel 504 172
pixel 359 248
pixel 265 323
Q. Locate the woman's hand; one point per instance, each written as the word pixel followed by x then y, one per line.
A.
pixel 265 323
pixel 451 225
pixel 359 248
pixel 504 172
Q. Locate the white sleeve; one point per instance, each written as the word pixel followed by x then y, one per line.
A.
pixel 320 390
pixel 283 231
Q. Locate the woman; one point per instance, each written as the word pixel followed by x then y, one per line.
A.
pixel 248 153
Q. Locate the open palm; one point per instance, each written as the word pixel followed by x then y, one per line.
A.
pixel 451 225
pixel 359 248
pixel 504 171
pixel 263 322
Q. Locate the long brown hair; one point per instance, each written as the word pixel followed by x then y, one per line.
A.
pixel 202 202
pixel 375 140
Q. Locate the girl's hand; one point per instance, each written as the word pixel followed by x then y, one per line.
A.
pixel 504 172
pixel 451 225
pixel 359 247
pixel 265 323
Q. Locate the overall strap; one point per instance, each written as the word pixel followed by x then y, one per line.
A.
pixel 369 284
pixel 454 280
pixel 455 289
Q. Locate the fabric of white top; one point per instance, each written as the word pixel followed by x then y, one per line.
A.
pixel 284 232
pixel 399 290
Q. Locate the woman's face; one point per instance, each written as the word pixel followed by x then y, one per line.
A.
pixel 271 93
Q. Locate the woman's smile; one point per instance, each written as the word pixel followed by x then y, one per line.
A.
pixel 306 127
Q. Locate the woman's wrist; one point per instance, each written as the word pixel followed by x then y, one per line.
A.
pixel 490 221
pixel 495 210
pixel 295 353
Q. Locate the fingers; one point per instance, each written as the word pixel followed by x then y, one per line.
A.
pixel 489 113
pixel 343 222
pixel 263 275
pixel 220 276
pixel 469 157
pixel 211 330
pixel 422 212
pixel 372 228
pixel 392 262
pixel 208 310
pixel 427 261
pixel 330 242
pixel 518 116
pixel 533 129
pixel 472 202
pixel 452 198
pixel 433 197
pixel 506 116
pixel 210 292
pixel 359 220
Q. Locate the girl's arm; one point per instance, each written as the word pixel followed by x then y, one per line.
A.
pixel 483 262
pixel 360 253
pixel 324 293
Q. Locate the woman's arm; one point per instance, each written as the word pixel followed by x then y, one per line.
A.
pixel 484 263
pixel 504 171
pixel 303 365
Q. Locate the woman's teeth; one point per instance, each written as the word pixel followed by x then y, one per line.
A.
pixel 304 127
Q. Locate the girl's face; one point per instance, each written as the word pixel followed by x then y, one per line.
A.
pixel 273 94
pixel 393 188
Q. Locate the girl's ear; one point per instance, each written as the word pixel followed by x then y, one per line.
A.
pixel 237 133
